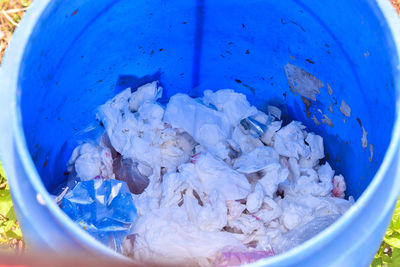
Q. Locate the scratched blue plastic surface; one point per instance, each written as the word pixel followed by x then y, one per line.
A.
pixel 68 57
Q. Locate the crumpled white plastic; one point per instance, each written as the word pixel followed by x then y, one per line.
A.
pixel 269 211
pixel 234 105
pixel 256 160
pixel 215 174
pixel 273 175
pixel 244 143
pixel 149 92
pixel 301 234
pixel 289 141
pixel 315 142
pixel 166 236
pixel 269 136
pixel 255 199
pixel 299 210
pixel 213 187
pixel 90 160
pixel 176 148
pixel 208 127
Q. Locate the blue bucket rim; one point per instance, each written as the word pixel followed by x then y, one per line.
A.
pixel 11 119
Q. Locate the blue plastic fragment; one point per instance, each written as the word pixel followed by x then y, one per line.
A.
pixel 102 207
pixel 253 127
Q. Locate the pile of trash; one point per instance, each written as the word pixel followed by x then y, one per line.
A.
pixel 205 181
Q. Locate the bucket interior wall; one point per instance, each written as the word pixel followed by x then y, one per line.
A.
pixel 84 52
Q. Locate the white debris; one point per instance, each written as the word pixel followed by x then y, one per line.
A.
pixel 325 173
pixel 339 186
pixel 208 127
pixel 166 236
pixel 269 211
pixel 289 141
pixel 345 109
pixel 93 160
pixel 274 111
pixel 255 199
pixel 176 148
pixel 148 92
pixel 234 105
pixel 258 159
pixel 110 114
pixel 364 140
pixel 214 174
pixel 261 117
pixel 212 186
pixel 274 175
pixel 269 136
pixel 245 142
pixel 235 209
pixel 315 142
pixel 302 82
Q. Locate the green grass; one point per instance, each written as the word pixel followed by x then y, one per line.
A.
pixel 10 232
pixel 11 12
pixel 389 251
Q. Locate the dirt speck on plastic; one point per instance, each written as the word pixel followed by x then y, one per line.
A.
pixel 310 61
pixel 46 162
pixel 359 121
pixel 308 105
pixel 252 89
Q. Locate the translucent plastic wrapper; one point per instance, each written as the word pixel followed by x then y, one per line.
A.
pixel 253 127
pixel 65 188
pixel 91 134
pixel 237 258
pixel 127 170
pixel 104 208
pixel 303 233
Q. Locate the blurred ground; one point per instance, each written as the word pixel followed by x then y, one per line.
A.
pixel 396 4
pixel 10 233
pixel 11 12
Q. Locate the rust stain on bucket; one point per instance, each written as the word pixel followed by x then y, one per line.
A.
pixel 308 105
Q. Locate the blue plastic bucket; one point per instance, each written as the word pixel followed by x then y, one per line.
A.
pixel 68 57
